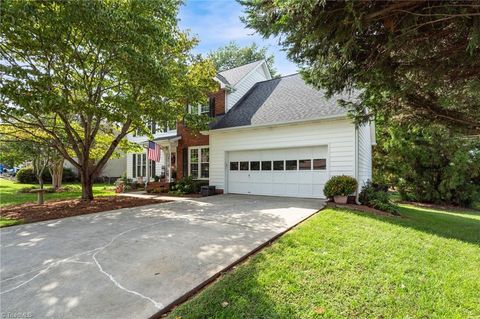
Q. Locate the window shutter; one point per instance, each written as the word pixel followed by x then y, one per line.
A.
pixel 185 162
pixel 134 162
pixel 212 106
pixel 152 169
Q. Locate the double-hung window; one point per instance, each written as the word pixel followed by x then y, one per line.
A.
pixel 199 109
pixel 198 162
pixel 139 165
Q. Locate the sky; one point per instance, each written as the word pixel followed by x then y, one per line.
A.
pixel 217 22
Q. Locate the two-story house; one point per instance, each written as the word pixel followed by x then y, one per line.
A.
pixel 277 137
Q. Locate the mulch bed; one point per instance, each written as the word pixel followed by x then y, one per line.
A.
pixel 362 208
pixel 55 209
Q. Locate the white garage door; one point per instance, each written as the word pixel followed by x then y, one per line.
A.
pixel 296 172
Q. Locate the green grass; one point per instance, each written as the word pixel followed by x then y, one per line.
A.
pixel 5 222
pixel 9 195
pixel 345 264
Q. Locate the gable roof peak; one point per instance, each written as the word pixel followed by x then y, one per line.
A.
pixel 235 75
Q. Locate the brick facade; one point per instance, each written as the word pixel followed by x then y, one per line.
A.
pixel 219 102
pixel 189 139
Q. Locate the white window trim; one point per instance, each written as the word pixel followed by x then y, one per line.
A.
pixel 139 164
pixel 199 148
pixel 199 109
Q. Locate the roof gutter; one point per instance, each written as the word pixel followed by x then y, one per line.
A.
pixel 249 127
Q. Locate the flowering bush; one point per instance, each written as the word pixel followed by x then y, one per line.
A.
pixel 340 186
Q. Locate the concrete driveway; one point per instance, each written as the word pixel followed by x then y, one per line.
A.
pixel 133 262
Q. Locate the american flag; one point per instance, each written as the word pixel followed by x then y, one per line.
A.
pixel 153 151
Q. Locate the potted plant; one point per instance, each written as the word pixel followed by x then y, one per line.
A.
pixel 339 187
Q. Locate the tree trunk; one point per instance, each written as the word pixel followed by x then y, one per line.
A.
pixel 87 186
pixel 56 170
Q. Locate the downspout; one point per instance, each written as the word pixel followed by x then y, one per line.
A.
pixel 357 164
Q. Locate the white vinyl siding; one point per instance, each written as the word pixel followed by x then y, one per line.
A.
pixel 158 165
pixel 364 155
pixel 337 135
pixel 115 167
pixel 244 85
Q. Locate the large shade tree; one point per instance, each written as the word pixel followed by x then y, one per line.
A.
pixel 417 61
pixel 233 55
pixel 72 71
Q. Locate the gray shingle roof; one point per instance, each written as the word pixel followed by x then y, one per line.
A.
pixel 233 76
pixel 282 100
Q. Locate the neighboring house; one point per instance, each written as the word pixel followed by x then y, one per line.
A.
pixel 277 137
pixel 114 168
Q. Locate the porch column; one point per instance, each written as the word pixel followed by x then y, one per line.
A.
pixel 169 162
pixel 148 168
pixel 165 161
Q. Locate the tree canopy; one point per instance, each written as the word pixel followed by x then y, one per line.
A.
pixel 417 61
pixel 232 55
pixel 74 71
pixel 428 163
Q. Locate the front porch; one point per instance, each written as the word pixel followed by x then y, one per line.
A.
pixel 157 176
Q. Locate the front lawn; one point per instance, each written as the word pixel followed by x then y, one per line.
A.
pixel 5 222
pixel 345 264
pixel 9 195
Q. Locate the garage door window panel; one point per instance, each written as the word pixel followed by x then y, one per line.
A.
pixel 320 164
pixel 278 165
pixel 266 165
pixel 305 165
pixel 244 166
pixel 234 166
pixel 291 165
pixel 255 166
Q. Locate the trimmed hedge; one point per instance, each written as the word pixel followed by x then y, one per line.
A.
pixel 340 186
pixel 27 176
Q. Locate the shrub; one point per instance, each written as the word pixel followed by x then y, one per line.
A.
pixel 27 176
pixel 137 185
pixel 188 185
pixel 49 190
pixel 376 196
pixel 69 188
pixel 197 185
pixel 340 186
pixel 27 189
pixel 69 176
pixel 184 186
pixel 428 163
